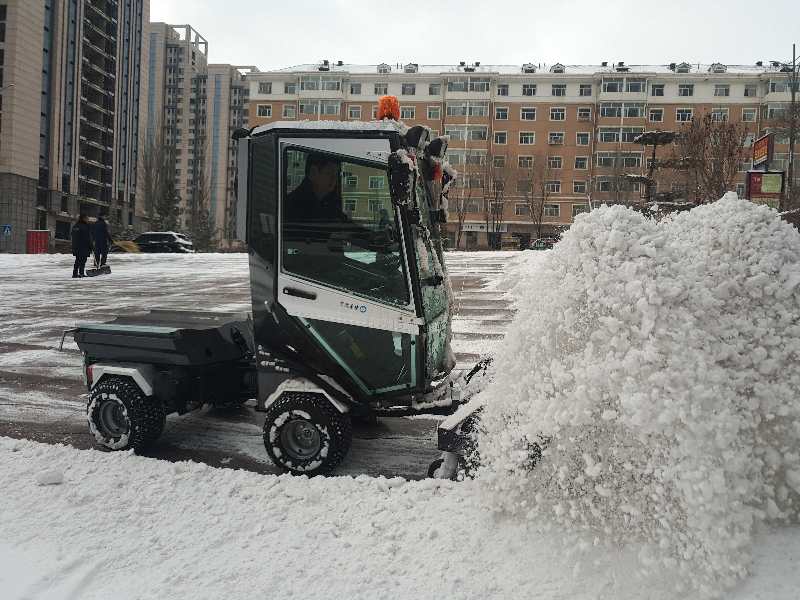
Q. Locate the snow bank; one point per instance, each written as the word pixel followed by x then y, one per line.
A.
pixel 657 363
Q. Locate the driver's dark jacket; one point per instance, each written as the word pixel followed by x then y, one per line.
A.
pixel 303 206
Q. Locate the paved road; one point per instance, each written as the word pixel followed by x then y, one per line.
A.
pixel 42 396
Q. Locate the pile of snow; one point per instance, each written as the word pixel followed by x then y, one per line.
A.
pixel 657 365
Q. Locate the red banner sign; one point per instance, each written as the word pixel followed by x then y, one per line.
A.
pixel 762 149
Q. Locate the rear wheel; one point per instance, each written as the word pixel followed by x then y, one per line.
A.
pixel 121 417
pixel 305 435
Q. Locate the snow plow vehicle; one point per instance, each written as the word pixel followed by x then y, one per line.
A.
pixel 351 302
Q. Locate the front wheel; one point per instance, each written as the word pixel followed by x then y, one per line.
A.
pixel 305 434
pixel 121 417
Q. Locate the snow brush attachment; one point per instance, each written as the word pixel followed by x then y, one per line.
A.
pixel 388 108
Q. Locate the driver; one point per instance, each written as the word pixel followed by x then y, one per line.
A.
pixel 316 198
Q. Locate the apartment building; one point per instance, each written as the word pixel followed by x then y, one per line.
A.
pixel 557 135
pixel 71 80
pixel 193 108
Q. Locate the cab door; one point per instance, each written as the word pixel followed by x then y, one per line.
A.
pixel 343 271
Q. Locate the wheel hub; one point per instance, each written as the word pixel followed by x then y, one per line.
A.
pixel 300 439
pixel 112 420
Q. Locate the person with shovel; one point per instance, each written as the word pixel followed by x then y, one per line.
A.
pixel 81 245
pixel 102 241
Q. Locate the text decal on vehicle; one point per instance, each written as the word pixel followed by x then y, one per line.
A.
pixel 355 307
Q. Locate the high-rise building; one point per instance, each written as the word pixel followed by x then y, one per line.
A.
pixel 192 110
pixel 72 82
pixel 560 137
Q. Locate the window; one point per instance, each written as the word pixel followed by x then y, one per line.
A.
pixel 559 89
pixel 585 89
pixel 603 185
pixel 612 85
pixel 465 108
pixel 633 110
pixel 582 138
pixel 527 137
pixel 605 159
pixel 584 113
pixel 289 111
pixel 502 89
pixel 719 114
pixel 329 264
pixel 457 85
pixel 555 138
pixel 350 181
pixel 581 162
pixel 631 161
pixel 527 113
pixel 478 85
pixel 355 89
pixel 528 89
pixel 407 112
pixel 354 112
pixel 611 109
pixel 554 186
pixel 775 111
pixel 264 110
pixel 330 107
pixel 635 86
pixel 434 113
pixel 686 89
pixel 554 162
pixel 777 86
pixel 656 89
pixel 434 89
pixel 750 90
pixel 524 186
pixel 264 87
pixel 683 115
pixel 558 114
pixel 656 115
pixel 374 112
pixel 408 89
pixel 500 137
pixel 578 187
pixel 578 209
pixel 381 89
pixel 499 161
pixel 522 210
pixel 552 210
pixel 629 134
pixel 501 113
pixel 525 162
pixel 609 134
pixel 722 89
pixel 749 115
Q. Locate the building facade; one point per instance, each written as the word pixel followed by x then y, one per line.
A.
pixel 535 144
pixel 193 108
pixel 71 87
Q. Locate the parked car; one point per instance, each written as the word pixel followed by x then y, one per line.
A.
pixel 164 241
pixel 543 244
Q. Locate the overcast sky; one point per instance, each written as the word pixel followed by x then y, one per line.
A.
pixel 273 33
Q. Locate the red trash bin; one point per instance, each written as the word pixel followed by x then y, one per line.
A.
pixel 38 241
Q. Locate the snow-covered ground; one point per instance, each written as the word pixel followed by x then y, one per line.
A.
pixel 130 528
pixel 41 394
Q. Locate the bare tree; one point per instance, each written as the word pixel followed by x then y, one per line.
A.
pixel 710 151
pixel 786 125
pixel 463 193
pixel 494 177
pixel 201 225
pixel 533 181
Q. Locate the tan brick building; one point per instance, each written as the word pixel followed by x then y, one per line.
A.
pixel 551 136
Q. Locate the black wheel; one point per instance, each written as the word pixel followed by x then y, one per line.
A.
pixel 122 417
pixel 305 435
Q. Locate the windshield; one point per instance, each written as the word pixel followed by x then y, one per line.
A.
pixel 340 228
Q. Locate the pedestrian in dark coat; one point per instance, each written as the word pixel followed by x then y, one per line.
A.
pixel 81 245
pixel 102 240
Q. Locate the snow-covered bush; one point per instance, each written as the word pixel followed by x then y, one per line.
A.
pixel 660 361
